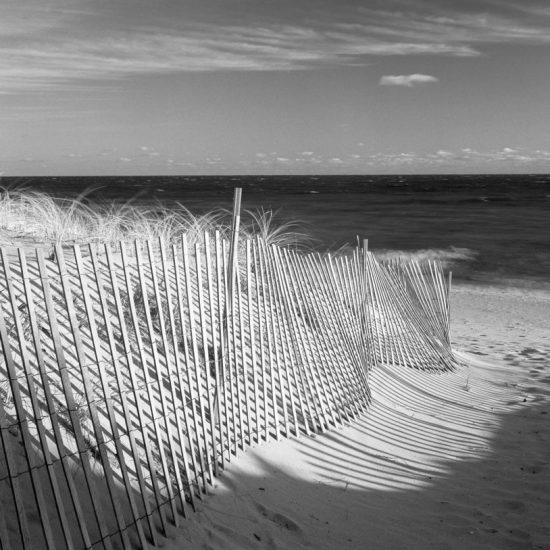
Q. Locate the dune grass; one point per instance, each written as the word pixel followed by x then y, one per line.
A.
pixel 36 215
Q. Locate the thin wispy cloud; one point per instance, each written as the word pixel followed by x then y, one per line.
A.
pixel 407 81
pixel 43 48
pixel 452 27
pixel 467 157
pixel 207 49
pixel 353 86
pixel 441 158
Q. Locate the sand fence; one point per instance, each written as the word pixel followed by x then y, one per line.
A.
pixel 130 374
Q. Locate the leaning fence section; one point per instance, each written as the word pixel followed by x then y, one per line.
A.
pixel 131 374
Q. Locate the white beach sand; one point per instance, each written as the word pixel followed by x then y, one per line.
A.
pixel 452 461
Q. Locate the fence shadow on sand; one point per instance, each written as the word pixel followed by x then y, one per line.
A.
pixel 130 374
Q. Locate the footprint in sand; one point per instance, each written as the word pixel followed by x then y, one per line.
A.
pixel 520 534
pixel 538 467
pixel 515 506
pixel 280 519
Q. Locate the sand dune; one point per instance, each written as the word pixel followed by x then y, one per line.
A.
pixel 456 460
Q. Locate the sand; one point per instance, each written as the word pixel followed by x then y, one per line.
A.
pixel 449 461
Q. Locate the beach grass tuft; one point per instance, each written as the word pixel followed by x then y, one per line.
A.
pixel 27 214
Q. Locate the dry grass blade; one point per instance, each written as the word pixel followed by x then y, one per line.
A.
pixel 264 223
pixel 47 219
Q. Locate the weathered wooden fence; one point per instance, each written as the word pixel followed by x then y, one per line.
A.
pixel 129 375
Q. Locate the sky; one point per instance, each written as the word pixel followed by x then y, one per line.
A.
pixel 155 87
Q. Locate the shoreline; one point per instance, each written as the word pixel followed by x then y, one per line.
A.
pixel 526 285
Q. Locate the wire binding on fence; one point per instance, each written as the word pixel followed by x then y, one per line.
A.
pixel 130 376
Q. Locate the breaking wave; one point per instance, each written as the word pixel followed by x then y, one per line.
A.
pixel 447 256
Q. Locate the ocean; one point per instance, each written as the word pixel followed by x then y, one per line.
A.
pixel 487 229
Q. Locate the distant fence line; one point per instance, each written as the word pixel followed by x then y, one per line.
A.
pixel 130 374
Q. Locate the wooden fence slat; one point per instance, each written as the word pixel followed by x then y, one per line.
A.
pixel 350 281
pixel 309 343
pixel 48 459
pixel 320 364
pixel 206 466
pixel 28 446
pixel 426 329
pixel 11 465
pixel 287 376
pixel 382 314
pixel 260 306
pixel 213 459
pixel 4 535
pixel 365 332
pixel 162 381
pixel 295 373
pixel 294 336
pixel 82 363
pixel 100 361
pixel 350 271
pixel 441 291
pixel 417 280
pixel 72 407
pixel 247 435
pixel 243 396
pixel 310 269
pixel 230 380
pixel 396 299
pixel 366 324
pixel 222 403
pixel 343 283
pixel 316 397
pixel 150 380
pixel 270 383
pixel 236 364
pixel 186 384
pixel 178 377
pixel 428 291
pixel 52 412
pixel 448 299
pixel 190 358
pixel 386 315
pixel 375 311
pixel 331 274
pixel 329 321
pixel 409 345
pixel 274 357
pixel 118 314
pixel 101 284
pixel 341 296
pixel 253 352
pixel 211 320
pixel 135 383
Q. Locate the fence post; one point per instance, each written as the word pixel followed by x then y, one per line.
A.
pixel 233 250
pixel 230 277
pixel 449 306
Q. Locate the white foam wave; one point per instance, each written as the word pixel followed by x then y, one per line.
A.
pixel 447 256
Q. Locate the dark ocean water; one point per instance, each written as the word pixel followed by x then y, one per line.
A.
pixel 487 228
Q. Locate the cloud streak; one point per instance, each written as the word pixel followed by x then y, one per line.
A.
pixel 407 81
pixel 206 49
pixel 43 49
